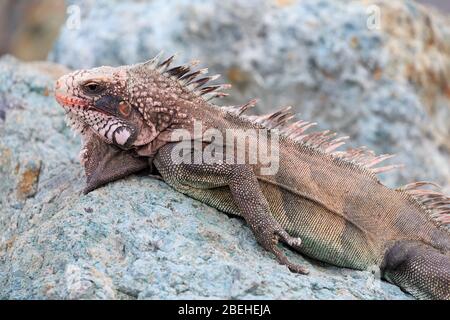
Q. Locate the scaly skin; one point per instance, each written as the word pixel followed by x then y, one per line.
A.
pixel 323 203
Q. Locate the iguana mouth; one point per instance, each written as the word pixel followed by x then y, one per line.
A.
pixel 67 101
pixel 70 101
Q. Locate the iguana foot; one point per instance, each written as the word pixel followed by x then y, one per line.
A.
pixel 269 240
pixel 245 194
pixel 282 258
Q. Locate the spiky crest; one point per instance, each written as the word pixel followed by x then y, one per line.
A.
pixel 435 203
pixel 323 141
pixel 187 77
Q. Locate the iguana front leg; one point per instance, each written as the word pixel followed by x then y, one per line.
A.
pixel 196 179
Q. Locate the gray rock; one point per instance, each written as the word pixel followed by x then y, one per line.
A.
pixel 136 238
pixel 385 87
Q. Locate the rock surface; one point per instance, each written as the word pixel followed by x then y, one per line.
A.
pixel 135 238
pixel 385 85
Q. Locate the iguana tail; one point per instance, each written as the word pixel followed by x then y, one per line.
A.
pixel 418 269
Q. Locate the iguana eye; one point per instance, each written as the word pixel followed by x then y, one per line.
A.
pixel 124 109
pixel 93 88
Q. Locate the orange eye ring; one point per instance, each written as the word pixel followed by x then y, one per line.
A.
pixel 124 108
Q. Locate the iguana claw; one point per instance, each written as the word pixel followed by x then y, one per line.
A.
pixel 281 257
pixel 293 242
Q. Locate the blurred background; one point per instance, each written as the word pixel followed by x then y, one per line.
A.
pixel 28 28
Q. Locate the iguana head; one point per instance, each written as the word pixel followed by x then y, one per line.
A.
pixel 125 114
pixel 97 103
pixel 98 100
pixel 131 106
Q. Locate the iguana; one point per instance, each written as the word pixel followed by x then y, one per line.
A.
pixel 324 203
